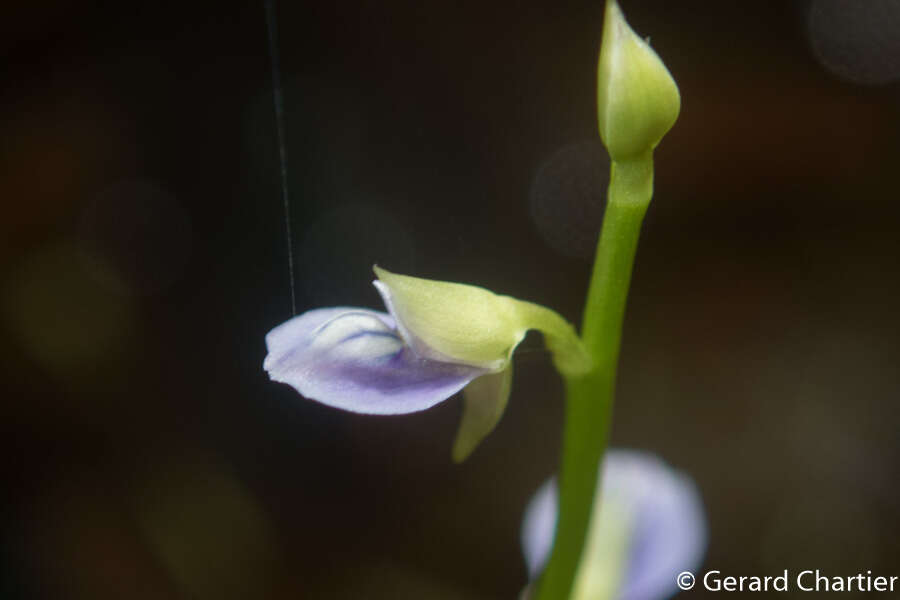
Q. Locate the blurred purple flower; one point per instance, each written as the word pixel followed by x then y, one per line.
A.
pixel 652 527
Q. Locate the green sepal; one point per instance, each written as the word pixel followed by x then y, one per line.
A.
pixel 454 322
pixel 484 401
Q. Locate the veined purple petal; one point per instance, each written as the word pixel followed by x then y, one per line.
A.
pixel 354 359
pixel 668 528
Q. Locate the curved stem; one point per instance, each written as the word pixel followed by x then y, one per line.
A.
pixel 570 356
pixel 589 397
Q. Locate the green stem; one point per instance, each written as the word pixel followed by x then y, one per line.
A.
pixel 589 397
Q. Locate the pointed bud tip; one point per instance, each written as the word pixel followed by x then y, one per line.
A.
pixel 637 99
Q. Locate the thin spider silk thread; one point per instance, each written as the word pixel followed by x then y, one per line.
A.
pixel 278 100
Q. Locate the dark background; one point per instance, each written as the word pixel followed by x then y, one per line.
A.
pixel 144 454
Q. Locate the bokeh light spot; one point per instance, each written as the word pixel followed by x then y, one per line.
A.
pixel 64 319
pixel 856 41
pixel 568 197
pixel 134 237
pixel 337 251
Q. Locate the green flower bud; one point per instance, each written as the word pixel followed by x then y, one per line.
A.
pixel 637 99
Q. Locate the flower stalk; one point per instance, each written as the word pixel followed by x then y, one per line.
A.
pixel 589 397
pixel 637 103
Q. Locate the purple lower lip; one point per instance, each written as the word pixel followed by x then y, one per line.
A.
pixel 354 359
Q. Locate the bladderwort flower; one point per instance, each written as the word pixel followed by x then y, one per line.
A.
pixel 436 339
pixel 647 526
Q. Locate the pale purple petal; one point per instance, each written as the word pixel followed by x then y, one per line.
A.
pixel 354 359
pixel 538 527
pixel 669 527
